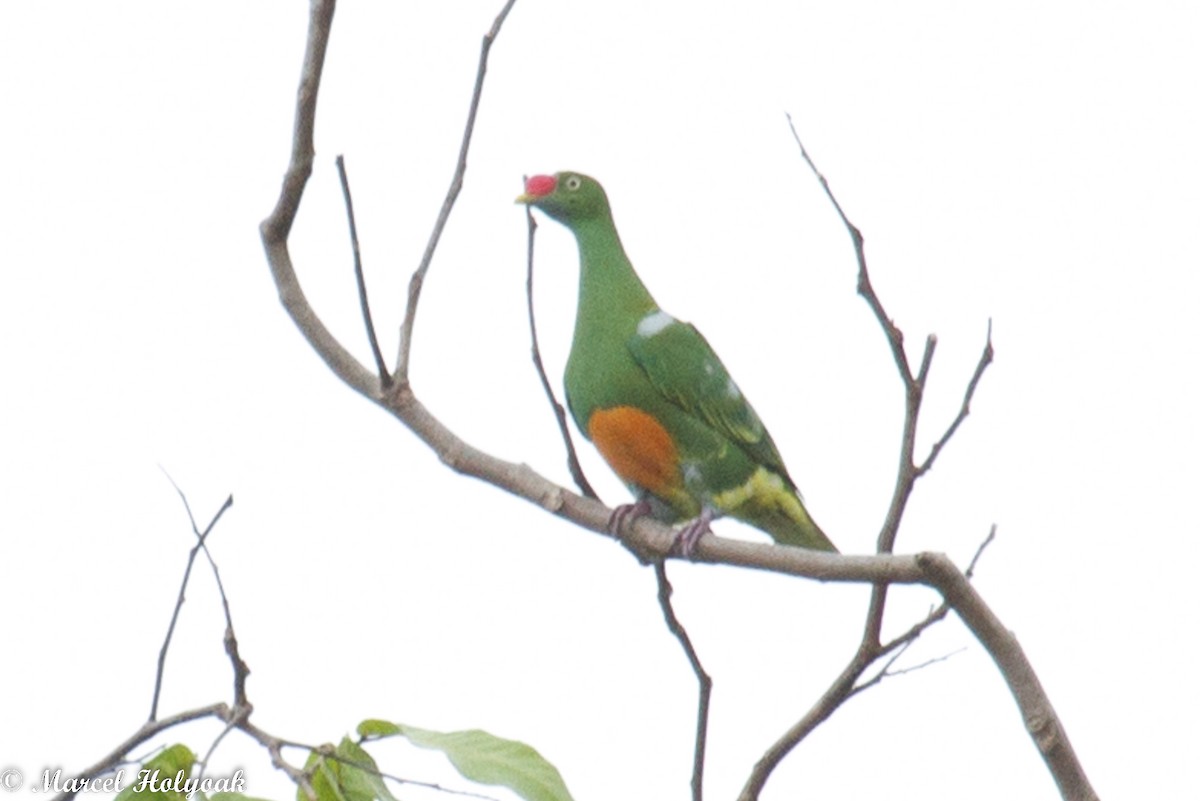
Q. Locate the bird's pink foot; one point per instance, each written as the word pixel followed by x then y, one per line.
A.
pixel 691 533
pixel 627 513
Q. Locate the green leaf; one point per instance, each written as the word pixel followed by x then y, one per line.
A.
pixel 345 773
pixel 484 758
pixel 224 796
pixel 163 776
pixel 376 729
pixel 364 781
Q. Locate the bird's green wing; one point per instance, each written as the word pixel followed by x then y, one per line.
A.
pixel 683 367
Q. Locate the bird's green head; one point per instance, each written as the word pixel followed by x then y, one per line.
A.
pixel 568 197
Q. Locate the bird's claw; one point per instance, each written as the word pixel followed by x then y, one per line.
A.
pixel 690 534
pixel 627 513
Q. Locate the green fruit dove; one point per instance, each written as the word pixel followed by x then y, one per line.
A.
pixel 653 397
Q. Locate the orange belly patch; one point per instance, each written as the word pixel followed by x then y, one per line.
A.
pixel 637 448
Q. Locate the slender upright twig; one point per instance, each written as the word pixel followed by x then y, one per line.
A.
pixel 456 183
pixel 385 378
pixel 702 678
pixel 187 572
pixel 560 414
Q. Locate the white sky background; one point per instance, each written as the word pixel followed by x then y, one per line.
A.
pixel 1035 164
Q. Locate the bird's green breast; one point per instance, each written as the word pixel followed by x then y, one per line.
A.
pixel 601 372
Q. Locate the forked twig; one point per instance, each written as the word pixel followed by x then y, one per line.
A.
pixel 1040 717
pixel 984 360
pixel 187 572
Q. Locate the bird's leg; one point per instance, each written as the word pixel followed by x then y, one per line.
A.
pixel 627 513
pixel 691 533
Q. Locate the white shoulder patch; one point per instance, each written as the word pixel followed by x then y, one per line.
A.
pixel 653 323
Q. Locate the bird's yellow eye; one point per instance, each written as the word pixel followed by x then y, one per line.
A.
pixel 573 182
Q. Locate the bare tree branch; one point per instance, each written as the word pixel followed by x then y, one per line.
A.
pixel 881 569
pixel 702 678
pixel 418 277
pixel 275 229
pixel 385 378
pixel 894 335
pixel 870 649
pixel 957 592
pixel 146 731
pixel 166 645
pixel 1041 721
pixel 275 746
pixel 985 359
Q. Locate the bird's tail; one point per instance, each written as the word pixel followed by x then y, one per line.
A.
pixel 776 508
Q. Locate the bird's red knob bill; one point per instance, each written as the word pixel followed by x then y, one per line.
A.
pixel 540 185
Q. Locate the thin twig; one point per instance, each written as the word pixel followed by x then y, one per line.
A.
pixel 240 669
pixel 886 672
pixel 146 731
pixel 333 756
pixel 885 542
pixel 926 361
pixel 237 716
pixel 933 660
pixel 201 537
pixel 939 613
pixel 241 704
pixel 560 413
pixel 894 334
pixel 985 358
pixel 275 746
pixel 702 678
pixel 385 378
pixel 878 677
pixel 418 277
pixel 969 573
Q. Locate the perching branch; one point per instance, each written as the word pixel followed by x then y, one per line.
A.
pixel 881 569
